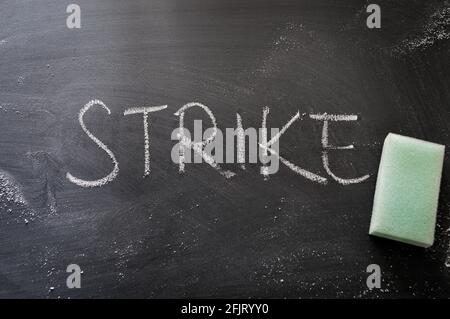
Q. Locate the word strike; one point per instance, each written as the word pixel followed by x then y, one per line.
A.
pixel 204 145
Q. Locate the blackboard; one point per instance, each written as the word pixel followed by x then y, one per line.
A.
pixel 198 234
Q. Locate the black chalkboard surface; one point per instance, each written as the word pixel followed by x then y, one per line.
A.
pixel 199 233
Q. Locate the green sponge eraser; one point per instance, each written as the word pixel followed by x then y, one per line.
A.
pixel 407 190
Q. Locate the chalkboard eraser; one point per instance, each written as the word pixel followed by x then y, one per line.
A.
pixel 407 190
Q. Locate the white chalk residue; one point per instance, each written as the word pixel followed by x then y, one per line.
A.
pixel 10 191
pixel 436 28
pixel 20 80
pixel 12 200
pixel 447 262
pixel 447 257
pixel 111 176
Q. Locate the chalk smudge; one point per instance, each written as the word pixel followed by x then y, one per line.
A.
pixel 286 41
pixel 435 29
pixel 47 170
pixel 447 256
pixel 10 191
pixel 20 80
pixel 12 200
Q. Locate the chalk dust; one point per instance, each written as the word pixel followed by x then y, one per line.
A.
pixel 435 29
pixel 12 199
pixel 10 191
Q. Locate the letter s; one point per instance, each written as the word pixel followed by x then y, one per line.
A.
pixel 111 176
